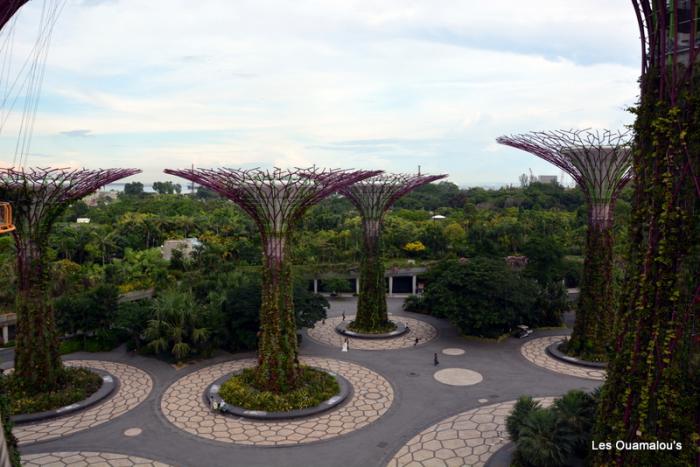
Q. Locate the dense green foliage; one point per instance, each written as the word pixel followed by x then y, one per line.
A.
pixel 7 425
pixel 314 387
pixel 558 436
pixel 651 393
pixel 74 384
pixel 483 297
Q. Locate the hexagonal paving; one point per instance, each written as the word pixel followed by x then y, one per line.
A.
pixel 469 438
pixel 183 406
pixel 326 334
pixel 84 459
pixel 536 351
pixel 134 387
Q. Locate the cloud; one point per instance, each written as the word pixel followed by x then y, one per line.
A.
pixel 77 133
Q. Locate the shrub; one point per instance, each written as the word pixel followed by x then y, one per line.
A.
pixel 316 386
pixel 414 304
pixel 545 440
pixel 521 411
pixel 7 424
pixel 481 296
pixel 75 384
pixel 576 409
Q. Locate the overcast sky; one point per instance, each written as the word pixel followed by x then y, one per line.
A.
pixel 385 84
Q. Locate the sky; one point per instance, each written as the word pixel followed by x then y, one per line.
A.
pixel 376 84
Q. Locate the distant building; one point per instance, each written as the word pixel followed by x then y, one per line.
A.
pixel 100 196
pixel 548 179
pixel 187 246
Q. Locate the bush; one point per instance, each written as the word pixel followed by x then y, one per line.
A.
pixel 414 304
pixel 481 296
pixel 7 424
pixel 316 386
pixel 74 384
pixel 556 436
pixel 545 440
pixel 521 411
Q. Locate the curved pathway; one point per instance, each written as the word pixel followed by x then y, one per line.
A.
pixel 469 438
pixel 85 459
pixel 325 333
pixel 184 407
pixel 134 387
pixel 535 351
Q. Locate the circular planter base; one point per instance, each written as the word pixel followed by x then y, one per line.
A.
pixel 109 384
pixel 503 457
pixel 553 351
pixel 211 397
pixel 400 330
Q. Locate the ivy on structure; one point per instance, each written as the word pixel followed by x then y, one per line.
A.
pixel 651 394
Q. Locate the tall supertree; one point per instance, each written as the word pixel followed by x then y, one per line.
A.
pixel 39 196
pixel 275 200
pixel 8 8
pixel 599 162
pixel 373 198
pixel 651 392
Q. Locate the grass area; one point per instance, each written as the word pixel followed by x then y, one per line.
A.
pixel 316 386
pixel 382 329
pixel 585 356
pixel 75 384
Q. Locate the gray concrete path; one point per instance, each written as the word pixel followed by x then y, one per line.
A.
pixel 419 402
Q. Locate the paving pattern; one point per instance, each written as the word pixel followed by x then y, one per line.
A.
pixel 183 406
pixel 469 438
pixel 326 334
pixel 134 387
pixel 536 351
pixel 458 377
pixel 84 459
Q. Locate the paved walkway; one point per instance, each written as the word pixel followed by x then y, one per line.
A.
pixel 83 459
pixel 325 333
pixel 469 438
pixel 535 350
pixel 396 397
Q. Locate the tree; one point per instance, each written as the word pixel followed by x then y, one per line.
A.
pixel 39 197
pixel 600 163
pixel 373 198
pixel 133 189
pixel 275 200
pixel 167 188
pixel 651 392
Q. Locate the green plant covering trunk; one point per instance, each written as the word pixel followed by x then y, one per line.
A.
pixel 651 393
pixel 278 357
pixel 37 360
pixel 594 311
pixel 371 304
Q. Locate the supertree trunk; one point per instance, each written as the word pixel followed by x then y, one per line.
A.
pixel 37 360
pixel 39 197
pixel 278 362
pixel 600 163
pixel 651 393
pixel 594 312
pixel 371 303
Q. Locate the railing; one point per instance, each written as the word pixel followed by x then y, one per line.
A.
pixel 6 224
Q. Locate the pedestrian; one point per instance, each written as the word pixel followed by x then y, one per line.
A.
pixel 343 316
pixel 345 345
pixel 435 359
pixel 416 342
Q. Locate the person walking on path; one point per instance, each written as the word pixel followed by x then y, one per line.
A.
pixel 435 359
pixel 346 345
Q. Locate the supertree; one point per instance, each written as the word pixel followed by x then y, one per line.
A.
pixel 651 392
pixel 39 196
pixel 599 162
pixel 275 200
pixel 8 8
pixel 372 198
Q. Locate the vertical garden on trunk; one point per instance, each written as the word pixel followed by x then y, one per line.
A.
pixel 372 198
pixel 38 198
pixel 599 162
pixel 275 200
pixel 651 394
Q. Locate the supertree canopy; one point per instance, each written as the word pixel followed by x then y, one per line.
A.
pixel 8 8
pixel 651 392
pixel 599 162
pixel 372 198
pixel 275 200
pixel 39 196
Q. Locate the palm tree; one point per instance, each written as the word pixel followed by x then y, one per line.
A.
pixel 175 326
pixel 545 441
